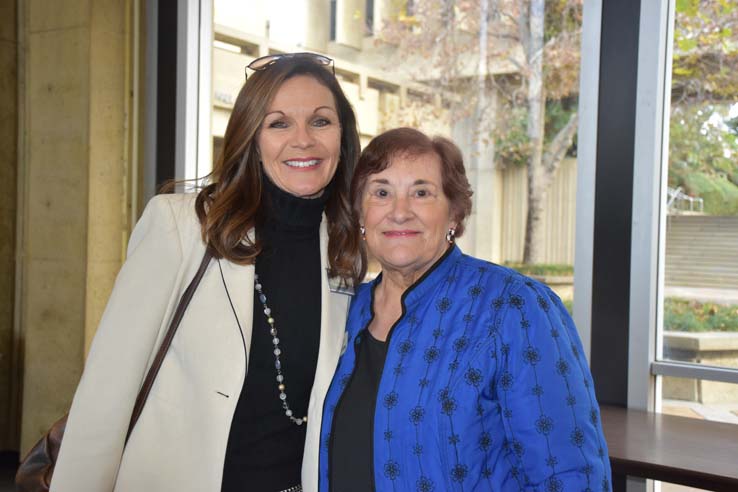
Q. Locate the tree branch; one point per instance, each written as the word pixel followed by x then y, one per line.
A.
pixel 556 150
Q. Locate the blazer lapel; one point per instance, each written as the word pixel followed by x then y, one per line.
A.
pixel 239 281
pixel 334 308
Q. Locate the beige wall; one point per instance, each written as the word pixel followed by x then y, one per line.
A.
pixel 251 17
pixel 75 195
pixel 351 27
pixel 108 170
pixel 317 20
pixel 54 196
pixel 8 184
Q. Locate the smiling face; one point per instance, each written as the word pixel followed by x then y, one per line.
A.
pixel 300 138
pixel 406 214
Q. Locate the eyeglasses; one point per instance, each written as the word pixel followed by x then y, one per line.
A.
pixel 267 61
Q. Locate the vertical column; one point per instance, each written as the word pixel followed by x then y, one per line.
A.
pixel 74 199
pixel 162 70
pixel 613 199
pixel 649 195
pixel 55 199
pixel 586 169
pixel 8 207
pixel 110 105
pixel 614 215
pixel 350 29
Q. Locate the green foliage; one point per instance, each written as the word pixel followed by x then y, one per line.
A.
pixel 703 155
pixel 512 146
pixel 542 269
pixel 688 7
pixel 558 114
pixel 705 50
pixel 720 195
pixel 694 316
pixel 569 305
pixel 562 16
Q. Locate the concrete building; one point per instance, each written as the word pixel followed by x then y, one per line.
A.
pixel 378 79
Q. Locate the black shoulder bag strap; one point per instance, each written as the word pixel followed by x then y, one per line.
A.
pixel 143 393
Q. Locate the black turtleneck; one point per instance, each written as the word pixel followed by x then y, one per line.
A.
pixel 264 447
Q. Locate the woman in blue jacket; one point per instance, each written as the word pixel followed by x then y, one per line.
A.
pixel 458 374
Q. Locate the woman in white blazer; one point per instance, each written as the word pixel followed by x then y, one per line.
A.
pixel 239 395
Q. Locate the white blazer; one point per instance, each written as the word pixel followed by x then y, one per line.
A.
pixel 179 442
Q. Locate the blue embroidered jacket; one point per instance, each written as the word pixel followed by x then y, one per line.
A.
pixel 485 387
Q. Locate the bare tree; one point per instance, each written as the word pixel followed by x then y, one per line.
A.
pixel 537 44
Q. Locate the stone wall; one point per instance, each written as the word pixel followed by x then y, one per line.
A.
pixel 75 194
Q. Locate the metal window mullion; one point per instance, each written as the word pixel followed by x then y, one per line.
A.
pixel 185 152
pixel 651 133
pixel 194 87
pixel 586 169
pixel 150 111
pixel 205 90
pixel 694 371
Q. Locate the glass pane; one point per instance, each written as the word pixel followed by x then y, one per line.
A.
pixel 700 318
pixel 697 399
pixel 454 69
pixel 700 399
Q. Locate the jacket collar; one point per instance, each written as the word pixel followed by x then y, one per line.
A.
pixel 438 273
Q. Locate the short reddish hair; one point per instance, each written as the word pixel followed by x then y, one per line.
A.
pixel 377 156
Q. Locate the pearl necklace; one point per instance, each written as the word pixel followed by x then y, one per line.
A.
pixel 277 352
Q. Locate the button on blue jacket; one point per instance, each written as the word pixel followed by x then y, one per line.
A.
pixel 485 387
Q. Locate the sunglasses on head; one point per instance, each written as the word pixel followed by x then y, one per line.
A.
pixel 267 61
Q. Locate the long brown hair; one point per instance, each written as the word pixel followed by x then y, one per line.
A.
pixel 229 207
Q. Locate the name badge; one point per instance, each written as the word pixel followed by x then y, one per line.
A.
pixel 339 286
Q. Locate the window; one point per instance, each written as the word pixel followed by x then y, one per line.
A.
pixel 334 20
pixel 369 17
pixel 410 8
pixel 473 90
pixel 697 348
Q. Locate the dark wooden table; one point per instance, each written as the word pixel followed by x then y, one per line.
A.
pixel 691 452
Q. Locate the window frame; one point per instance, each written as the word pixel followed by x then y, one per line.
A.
pixel 648 226
pixel 648 253
pixel 177 118
pixel 648 218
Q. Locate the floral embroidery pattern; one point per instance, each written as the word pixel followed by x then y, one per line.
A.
pixel 484 388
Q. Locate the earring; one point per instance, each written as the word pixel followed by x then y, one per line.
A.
pixel 362 230
pixel 450 235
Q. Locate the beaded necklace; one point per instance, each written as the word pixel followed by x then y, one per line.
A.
pixel 277 352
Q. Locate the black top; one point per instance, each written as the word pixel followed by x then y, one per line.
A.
pixel 265 448
pixel 351 453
